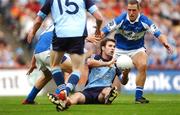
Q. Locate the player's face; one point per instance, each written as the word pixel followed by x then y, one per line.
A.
pixel 109 48
pixel 133 12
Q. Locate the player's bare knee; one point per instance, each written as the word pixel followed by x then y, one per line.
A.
pixel 142 67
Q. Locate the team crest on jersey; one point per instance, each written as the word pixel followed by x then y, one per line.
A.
pixel 130 35
pixel 111 25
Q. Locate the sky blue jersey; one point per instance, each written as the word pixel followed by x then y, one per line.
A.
pixel 45 40
pixel 69 16
pixel 101 76
pixel 130 35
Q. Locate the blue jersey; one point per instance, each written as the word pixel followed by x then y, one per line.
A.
pixel 69 16
pixel 101 76
pixel 130 35
pixel 45 40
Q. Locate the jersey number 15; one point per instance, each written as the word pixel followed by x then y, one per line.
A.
pixel 68 4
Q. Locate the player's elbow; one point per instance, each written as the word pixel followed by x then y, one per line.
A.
pixel 89 62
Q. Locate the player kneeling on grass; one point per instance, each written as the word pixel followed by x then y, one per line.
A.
pixel 98 89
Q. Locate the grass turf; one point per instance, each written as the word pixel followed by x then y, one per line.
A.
pixel 160 104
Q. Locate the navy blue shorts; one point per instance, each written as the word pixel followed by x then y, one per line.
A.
pixel 91 95
pixel 70 45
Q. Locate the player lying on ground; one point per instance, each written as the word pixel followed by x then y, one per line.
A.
pixel 98 88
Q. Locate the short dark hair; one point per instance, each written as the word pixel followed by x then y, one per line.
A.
pixel 134 2
pixel 104 42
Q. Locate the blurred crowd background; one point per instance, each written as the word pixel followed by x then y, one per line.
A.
pixel 17 16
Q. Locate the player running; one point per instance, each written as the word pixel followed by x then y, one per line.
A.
pixel 131 28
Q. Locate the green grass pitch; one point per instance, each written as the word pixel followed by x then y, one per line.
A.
pixel 160 104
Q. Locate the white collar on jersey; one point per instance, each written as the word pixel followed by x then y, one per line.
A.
pixel 137 19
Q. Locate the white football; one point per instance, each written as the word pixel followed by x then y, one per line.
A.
pixel 124 62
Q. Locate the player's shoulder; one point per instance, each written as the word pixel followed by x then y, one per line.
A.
pixel 122 15
pixel 145 19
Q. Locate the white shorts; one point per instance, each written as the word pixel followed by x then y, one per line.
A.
pixel 43 60
pixel 130 53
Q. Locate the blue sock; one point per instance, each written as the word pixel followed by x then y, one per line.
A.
pixel 58 76
pixel 60 88
pixel 72 82
pixel 32 95
pixel 139 92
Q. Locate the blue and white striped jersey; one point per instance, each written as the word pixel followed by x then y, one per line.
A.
pixel 45 40
pixel 69 16
pixel 130 35
pixel 101 76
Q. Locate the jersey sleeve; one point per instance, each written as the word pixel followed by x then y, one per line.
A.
pixel 114 24
pixel 45 10
pixel 96 57
pixel 90 6
pixel 151 27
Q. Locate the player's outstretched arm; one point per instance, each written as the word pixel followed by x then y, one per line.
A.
pixel 96 63
pixel 36 26
pixel 163 40
pixel 99 20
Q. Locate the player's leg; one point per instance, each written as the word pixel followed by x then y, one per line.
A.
pixel 140 62
pixel 66 64
pixel 58 77
pixel 40 83
pixel 42 61
pixel 63 92
pixel 107 95
pixel 77 65
pixel 57 73
pixel 76 98
pixel 117 83
pixel 74 46
pixel 59 47
pixel 77 56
